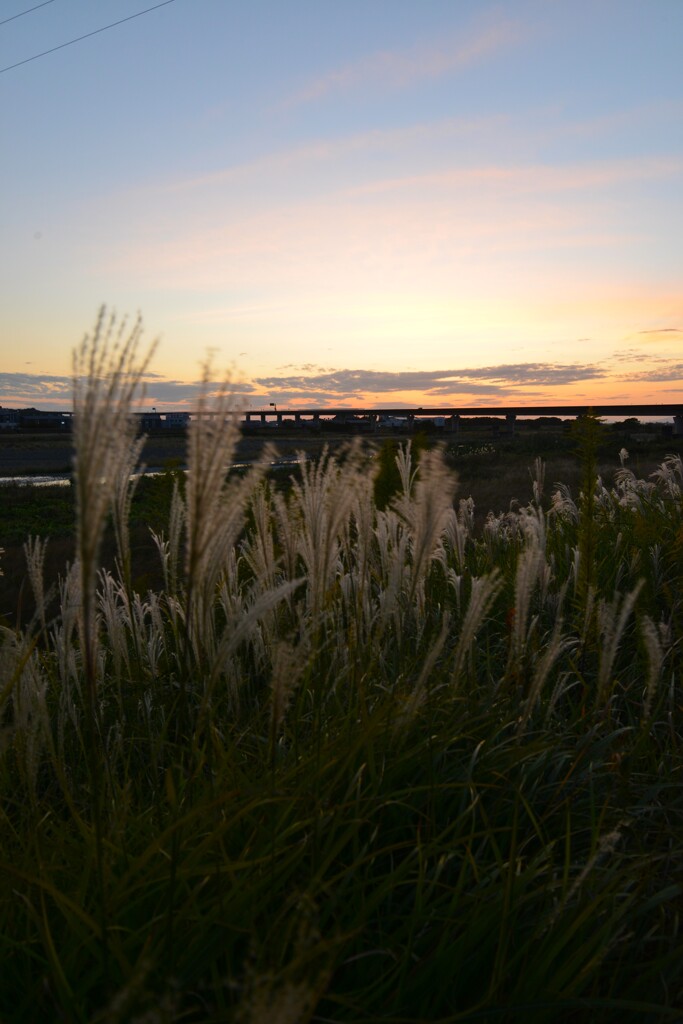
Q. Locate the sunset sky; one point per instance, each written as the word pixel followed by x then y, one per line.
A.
pixel 344 202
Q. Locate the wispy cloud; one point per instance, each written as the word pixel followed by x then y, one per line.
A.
pixel 501 134
pixel 316 386
pixel 347 383
pixel 43 391
pixel 403 141
pixel 29 388
pixel 663 371
pixel 395 69
pixel 533 178
pixel 394 233
pixel 662 334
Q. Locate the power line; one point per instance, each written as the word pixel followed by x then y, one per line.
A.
pixel 22 13
pixel 87 35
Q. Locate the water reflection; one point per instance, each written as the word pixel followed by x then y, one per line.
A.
pixel 64 479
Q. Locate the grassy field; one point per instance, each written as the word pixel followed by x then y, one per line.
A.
pixel 351 751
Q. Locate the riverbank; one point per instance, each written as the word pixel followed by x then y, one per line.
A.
pixel 49 454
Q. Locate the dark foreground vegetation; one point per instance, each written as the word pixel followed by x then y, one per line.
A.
pixel 349 756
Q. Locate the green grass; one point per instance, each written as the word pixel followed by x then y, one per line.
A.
pixel 339 762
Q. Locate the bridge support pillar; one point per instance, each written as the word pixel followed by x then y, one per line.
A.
pixel 263 419
pixel 247 417
pixel 510 423
pixel 316 421
pixel 411 422
pixel 678 426
pixel 454 423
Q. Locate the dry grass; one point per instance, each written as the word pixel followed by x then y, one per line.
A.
pixel 345 762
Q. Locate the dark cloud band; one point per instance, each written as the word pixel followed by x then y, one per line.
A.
pixel 485 380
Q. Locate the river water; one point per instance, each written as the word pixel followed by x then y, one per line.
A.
pixel 64 479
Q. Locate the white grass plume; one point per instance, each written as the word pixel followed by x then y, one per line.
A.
pixel 484 591
pixel 612 618
pixel 655 655
pixel 107 376
pixel 429 512
pixel 557 645
pixel 34 552
pixel 320 505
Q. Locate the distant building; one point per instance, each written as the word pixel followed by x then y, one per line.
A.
pixel 153 422
pixel 150 421
pixel 33 419
pixel 9 419
pixel 177 420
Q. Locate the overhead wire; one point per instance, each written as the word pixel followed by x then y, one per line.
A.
pixel 87 35
pixel 22 13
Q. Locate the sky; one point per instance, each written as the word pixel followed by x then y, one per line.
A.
pixel 367 202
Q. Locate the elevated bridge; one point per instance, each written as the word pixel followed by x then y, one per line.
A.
pixel 453 414
pixel 449 415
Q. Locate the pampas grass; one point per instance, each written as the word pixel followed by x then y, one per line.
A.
pixel 346 762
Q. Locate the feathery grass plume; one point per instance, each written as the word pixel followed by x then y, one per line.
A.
pixel 588 431
pixel 107 377
pixel 606 845
pixel 109 595
pixel 176 524
pixel 455 583
pixel 658 567
pixel 169 549
pixel 23 706
pixel 358 557
pixel 241 628
pixel 612 617
pixel 484 590
pixel 427 508
pixel 223 570
pixel 586 630
pixel 155 644
pixel 34 552
pixel 211 441
pixel 215 508
pixel 466 514
pixel 532 523
pixel 458 530
pixel 563 505
pixel 258 549
pixel 289 664
pixel 271 1000
pixel 421 687
pixel 126 483
pixel 67 661
pixel 565 682
pixel 529 567
pixel 393 569
pixel 655 655
pixel 286 527
pixel 538 480
pixel 406 471
pixel 552 651
pixel 669 476
pixel 321 504
pixel 69 658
